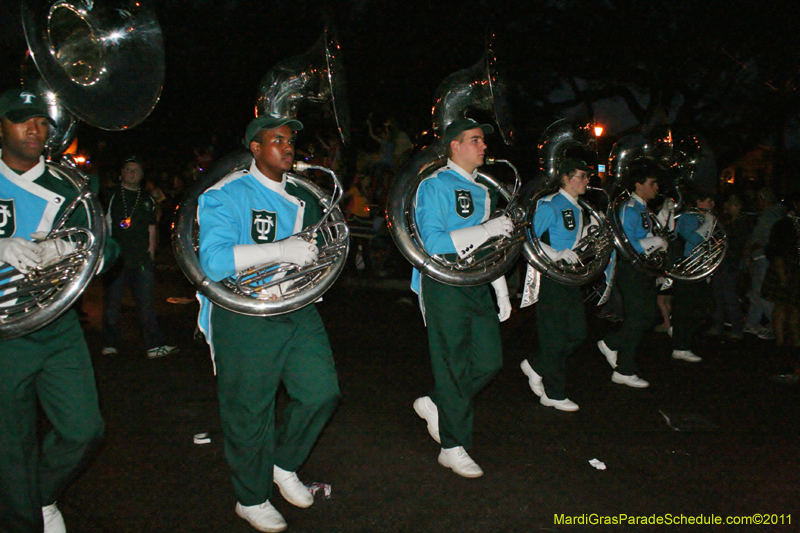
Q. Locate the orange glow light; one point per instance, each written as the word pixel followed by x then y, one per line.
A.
pixel 73 147
pixel 598 131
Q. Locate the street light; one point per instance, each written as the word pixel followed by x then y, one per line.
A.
pixel 601 169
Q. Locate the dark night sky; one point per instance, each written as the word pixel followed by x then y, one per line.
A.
pixel 217 52
pixel 395 54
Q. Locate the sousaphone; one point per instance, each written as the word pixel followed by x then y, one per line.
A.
pixel 103 64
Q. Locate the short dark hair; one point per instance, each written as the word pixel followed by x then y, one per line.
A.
pixel 448 150
pixel 570 165
pixel 642 169
pixel 698 195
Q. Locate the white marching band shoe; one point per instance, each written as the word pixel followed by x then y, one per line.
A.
pixel 428 411
pixel 458 460
pixel 263 517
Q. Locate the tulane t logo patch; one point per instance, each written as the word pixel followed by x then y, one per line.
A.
pixel 464 205
pixel 646 221
pixel 8 218
pixel 263 227
pixel 569 219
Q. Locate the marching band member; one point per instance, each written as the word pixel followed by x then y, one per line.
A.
pixel 452 213
pixel 638 289
pixel 560 318
pixel 688 308
pixel 51 364
pixel 250 218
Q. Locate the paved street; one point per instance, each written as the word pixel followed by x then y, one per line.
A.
pixel 732 449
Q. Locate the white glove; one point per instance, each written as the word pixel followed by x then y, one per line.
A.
pixel 653 244
pixel 20 253
pixel 503 301
pixel 297 251
pixel 500 226
pixel 289 250
pixel 567 255
pixel 707 227
pixel 53 249
pixel 665 215
pixel 466 240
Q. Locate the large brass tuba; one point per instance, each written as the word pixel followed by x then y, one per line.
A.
pixel 478 87
pixel 678 161
pixel 104 65
pixel 594 249
pixel 266 290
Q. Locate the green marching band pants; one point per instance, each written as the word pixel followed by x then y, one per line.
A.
pixel 561 326
pixel 253 356
pixel 639 301
pixel 52 364
pixel 466 353
pixel 689 302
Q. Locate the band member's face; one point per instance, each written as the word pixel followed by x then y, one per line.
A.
pixel 132 174
pixel 274 153
pixel 707 204
pixel 575 184
pixel 23 143
pixel 469 150
pixel 647 190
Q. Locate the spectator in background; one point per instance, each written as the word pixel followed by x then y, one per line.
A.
pixel 131 214
pixel 157 195
pixel 781 284
pixel 759 316
pixel 402 143
pixel 725 282
pixel 358 212
pixel 333 156
pixel 384 136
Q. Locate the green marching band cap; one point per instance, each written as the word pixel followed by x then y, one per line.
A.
pixel 463 124
pixel 570 165
pixel 268 122
pixel 18 106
